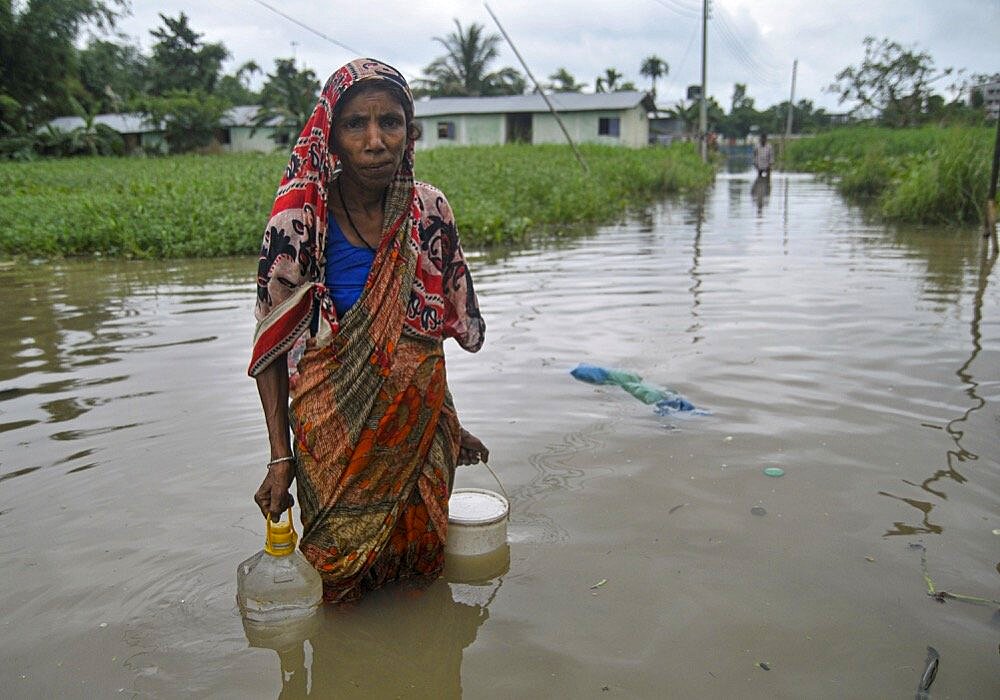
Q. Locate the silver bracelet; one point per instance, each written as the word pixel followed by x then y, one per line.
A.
pixel 279 460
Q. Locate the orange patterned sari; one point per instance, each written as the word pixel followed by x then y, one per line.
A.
pixel 375 429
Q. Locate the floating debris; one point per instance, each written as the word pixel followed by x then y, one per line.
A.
pixel 758 510
pixel 600 583
pixel 930 672
pixel 764 665
pixel 774 471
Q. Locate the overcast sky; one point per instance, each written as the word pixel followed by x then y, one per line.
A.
pixel 750 41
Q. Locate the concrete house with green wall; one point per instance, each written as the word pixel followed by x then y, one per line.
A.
pixel 236 133
pixel 619 118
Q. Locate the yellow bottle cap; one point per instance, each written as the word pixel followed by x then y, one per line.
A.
pixel 281 539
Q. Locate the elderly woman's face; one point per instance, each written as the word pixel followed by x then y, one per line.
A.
pixel 369 135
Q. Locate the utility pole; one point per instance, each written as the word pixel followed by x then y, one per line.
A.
pixel 791 101
pixel 703 108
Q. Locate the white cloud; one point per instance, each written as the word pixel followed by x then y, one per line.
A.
pixel 753 42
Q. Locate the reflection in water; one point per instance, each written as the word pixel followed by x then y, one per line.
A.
pixel 697 214
pixel 761 192
pixel 958 455
pixel 401 642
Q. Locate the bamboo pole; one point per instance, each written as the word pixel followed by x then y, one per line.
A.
pixel 579 158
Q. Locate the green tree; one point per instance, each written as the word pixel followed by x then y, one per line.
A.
pixel 465 67
pixel 180 60
pixel 38 59
pixel 608 82
pixel 892 83
pixel 235 89
pixel 287 100
pixel 654 68
pixel 189 118
pixel 563 81
pixel 742 114
pixel 112 74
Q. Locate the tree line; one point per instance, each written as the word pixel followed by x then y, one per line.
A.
pixel 181 85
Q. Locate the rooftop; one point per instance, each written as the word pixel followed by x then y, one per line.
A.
pixel 561 101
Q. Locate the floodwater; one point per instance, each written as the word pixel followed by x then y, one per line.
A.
pixel 650 556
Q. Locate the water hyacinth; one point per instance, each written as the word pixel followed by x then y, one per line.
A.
pixel 927 175
pixel 207 206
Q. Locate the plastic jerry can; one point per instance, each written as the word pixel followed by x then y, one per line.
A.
pixel 278 583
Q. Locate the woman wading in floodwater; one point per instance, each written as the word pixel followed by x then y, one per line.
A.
pixel 361 278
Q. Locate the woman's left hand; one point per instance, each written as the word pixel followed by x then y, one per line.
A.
pixel 471 449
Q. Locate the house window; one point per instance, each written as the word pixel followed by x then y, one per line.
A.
pixel 446 130
pixel 609 126
pixel 223 136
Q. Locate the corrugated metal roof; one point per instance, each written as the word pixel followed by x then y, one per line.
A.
pixel 131 123
pixel 562 101
pixel 244 115
pixel 138 123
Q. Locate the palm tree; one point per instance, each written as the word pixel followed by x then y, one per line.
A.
pixel 654 67
pixel 287 100
pixel 464 69
pixel 246 72
pixel 608 82
pixel 563 81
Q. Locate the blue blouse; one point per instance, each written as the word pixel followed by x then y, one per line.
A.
pixel 347 267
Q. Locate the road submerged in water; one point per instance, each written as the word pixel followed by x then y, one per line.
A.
pixel 650 556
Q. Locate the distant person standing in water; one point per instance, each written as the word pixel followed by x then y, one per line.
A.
pixel 763 157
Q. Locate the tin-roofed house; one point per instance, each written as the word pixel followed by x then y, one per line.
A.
pixel 135 128
pixel 620 118
pixel 237 134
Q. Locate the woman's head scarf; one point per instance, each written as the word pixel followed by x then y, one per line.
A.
pixel 292 253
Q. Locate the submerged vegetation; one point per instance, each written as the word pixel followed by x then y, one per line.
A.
pixel 204 206
pixel 926 175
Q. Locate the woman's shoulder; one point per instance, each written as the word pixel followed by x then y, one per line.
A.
pixel 431 198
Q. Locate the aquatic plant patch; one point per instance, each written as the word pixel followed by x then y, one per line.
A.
pixel 208 206
pixel 929 175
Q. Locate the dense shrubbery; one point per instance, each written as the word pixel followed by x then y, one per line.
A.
pixel 203 206
pixel 923 175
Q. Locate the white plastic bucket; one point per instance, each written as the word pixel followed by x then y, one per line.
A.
pixel 477 522
pixel 478 569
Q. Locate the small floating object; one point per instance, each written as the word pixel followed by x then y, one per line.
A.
pixel 477 522
pixel 997 531
pixel 774 471
pixel 600 583
pixel 764 665
pixel 758 510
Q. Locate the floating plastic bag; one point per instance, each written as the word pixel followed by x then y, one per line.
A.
pixel 666 401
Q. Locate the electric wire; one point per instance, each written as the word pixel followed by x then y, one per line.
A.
pixel 310 29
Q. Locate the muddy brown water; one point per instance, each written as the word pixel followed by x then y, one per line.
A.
pixel 861 359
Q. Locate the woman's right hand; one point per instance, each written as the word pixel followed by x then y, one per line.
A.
pixel 273 496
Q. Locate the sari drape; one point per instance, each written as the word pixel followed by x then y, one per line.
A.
pixel 375 430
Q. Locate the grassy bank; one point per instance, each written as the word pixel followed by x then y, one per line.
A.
pixel 202 206
pixel 924 175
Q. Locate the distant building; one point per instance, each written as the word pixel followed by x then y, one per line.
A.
pixel 619 118
pixel 235 134
pixel 990 92
pixel 136 130
pixel 665 130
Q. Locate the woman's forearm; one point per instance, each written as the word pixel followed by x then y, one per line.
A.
pixel 272 385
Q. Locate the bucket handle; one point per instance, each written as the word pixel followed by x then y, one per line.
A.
pixel 502 489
